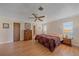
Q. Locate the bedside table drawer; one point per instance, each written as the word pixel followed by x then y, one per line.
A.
pixel 67 41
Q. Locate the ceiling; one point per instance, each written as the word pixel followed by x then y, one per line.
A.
pixel 52 11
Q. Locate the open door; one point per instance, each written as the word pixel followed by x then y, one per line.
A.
pixel 16 32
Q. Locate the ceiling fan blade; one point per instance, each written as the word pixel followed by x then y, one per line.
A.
pixel 35 19
pixel 40 19
pixel 41 16
pixel 34 15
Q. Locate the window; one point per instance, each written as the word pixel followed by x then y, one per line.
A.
pixel 68 29
pixel 44 28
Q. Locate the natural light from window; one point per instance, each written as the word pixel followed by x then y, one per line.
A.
pixel 44 28
pixel 68 29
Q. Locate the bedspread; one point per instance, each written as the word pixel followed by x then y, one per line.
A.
pixel 48 41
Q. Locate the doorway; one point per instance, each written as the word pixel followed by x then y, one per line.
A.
pixel 34 31
pixel 16 31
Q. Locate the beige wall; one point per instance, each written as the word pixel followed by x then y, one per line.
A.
pixel 57 27
pixel 38 27
pixel 6 35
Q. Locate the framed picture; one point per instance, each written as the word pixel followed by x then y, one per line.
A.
pixel 27 26
pixel 5 25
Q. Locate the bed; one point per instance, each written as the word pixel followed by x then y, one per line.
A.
pixel 48 41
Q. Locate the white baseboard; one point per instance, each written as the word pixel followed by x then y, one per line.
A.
pixel 75 44
pixel 6 42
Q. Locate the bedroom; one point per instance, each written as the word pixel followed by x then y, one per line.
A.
pixel 58 20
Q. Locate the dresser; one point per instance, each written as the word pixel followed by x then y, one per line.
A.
pixel 27 35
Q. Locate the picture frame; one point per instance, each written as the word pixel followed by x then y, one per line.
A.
pixel 5 25
pixel 27 26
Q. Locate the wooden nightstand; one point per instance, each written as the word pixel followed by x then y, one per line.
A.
pixel 67 41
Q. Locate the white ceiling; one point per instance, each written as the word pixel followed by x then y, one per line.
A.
pixel 52 11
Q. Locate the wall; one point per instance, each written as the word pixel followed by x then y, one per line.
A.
pixel 38 27
pixel 57 27
pixel 6 35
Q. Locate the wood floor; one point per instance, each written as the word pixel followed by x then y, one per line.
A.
pixel 29 48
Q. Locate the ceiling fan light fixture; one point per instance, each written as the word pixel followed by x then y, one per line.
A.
pixel 40 8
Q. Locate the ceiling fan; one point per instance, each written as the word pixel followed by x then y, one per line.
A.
pixel 37 17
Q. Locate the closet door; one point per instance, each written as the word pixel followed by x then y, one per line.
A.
pixel 16 32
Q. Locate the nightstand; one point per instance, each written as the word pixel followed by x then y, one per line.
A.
pixel 67 41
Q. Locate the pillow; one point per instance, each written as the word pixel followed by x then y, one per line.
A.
pixel 55 35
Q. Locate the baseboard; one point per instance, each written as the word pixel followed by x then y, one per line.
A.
pixel 75 45
pixel 6 42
